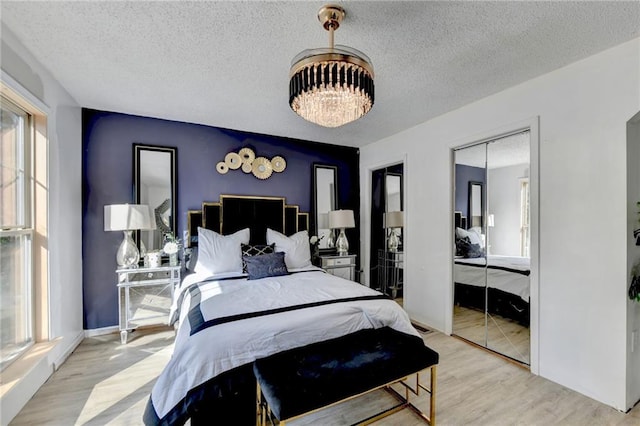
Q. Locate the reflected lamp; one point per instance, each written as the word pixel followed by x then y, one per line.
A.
pixel 393 220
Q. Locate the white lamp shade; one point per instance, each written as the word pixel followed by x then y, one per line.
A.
pixel 339 219
pixel 128 217
pixel 393 220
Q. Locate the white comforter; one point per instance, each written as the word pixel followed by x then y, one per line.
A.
pixel 468 271
pixel 214 350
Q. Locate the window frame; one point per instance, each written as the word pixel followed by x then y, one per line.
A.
pixel 40 189
pixel 23 226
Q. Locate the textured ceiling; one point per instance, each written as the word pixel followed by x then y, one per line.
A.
pixel 503 152
pixel 226 64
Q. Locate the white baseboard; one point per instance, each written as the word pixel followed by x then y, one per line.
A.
pixel 101 331
pixel 72 347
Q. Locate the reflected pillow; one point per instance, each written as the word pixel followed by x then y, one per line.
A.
pixel 266 265
pixel 220 253
pixel 473 236
pixel 255 250
pixel 297 253
pixel 465 248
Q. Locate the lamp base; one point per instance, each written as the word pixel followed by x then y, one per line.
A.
pixel 331 239
pixel 394 242
pixel 128 255
pixel 342 244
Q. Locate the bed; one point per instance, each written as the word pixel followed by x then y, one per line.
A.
pixel 506 279
pixel 227 318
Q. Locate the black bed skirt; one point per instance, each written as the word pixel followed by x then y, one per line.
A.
pixel 501 303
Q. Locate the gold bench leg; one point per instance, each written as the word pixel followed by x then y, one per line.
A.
pixel 432 399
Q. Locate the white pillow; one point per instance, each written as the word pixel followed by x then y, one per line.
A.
pixel 297 253
pixel 474 238
pixel 220 253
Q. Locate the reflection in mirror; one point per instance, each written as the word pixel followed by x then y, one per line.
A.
pixel 325 199
pixel 476 204
pixel 507 228
pixel 155 185
pixel 393 188
pixel 469 319
pixel 386 261
pixel 492 266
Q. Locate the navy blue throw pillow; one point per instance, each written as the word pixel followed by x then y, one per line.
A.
pixel 467 249
pixel 255 250
pixel 266 265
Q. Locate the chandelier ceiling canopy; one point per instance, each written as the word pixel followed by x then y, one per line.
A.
pixel 331 86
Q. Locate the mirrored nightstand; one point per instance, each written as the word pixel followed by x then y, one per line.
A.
pixel 145 296
pixel 343 266
pixel 391 272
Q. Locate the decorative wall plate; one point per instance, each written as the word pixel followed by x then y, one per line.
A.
pixel 222 167
pixel 233 160
pixel 278 163
pixel 247 167
pixel 262 168
pixel 247 155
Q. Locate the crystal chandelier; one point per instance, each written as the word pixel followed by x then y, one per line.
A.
pixel 331 86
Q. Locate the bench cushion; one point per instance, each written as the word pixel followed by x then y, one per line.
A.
pixel 303 379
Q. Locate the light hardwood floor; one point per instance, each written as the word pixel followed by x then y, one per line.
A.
pixel 104 382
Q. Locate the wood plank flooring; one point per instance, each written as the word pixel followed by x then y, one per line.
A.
pixel 106 383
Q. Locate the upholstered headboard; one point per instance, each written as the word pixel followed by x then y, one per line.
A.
pixel 234 212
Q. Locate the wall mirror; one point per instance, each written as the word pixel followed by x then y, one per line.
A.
pixel 325 199
pixel 476 203
pixel 393 188
pixel 154 171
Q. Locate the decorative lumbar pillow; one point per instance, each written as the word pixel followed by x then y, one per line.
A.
pixel 266 265
pixel 249 250
pixel 220 253
pixel 297 253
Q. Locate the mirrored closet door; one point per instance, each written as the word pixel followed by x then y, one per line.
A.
pixel 387 227
pixel 492 242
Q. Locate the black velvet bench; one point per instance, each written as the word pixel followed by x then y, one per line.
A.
pixel 303 380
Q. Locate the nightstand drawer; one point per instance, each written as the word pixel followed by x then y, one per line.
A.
pixel 340 265
pixel 338 261
pixel 146 276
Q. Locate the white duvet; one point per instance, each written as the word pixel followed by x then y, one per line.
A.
pixel 222 347
pixel 467 271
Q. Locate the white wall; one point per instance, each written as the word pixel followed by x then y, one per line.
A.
pixel 65 212
pixel 583 109
pixel 633 257
pixel 503 196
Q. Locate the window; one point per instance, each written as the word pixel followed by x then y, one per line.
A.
pixel 16 233
pixel 524 219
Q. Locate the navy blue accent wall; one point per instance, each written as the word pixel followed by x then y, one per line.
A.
pixel 464 175
pixel 108 179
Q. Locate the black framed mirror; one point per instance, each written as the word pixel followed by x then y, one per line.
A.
pixel 476 204
pixel 155 184
pixel 325 199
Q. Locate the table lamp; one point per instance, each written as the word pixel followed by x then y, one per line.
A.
pixel 341 219
pixel 393 220
pixel 128 218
